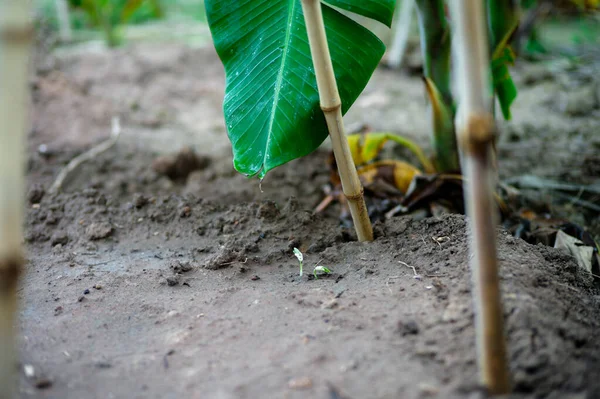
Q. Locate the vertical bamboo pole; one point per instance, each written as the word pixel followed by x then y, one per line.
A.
pixel 16 32
pixel 476 133
pixel 332 108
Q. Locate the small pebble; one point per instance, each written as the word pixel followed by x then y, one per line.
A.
pixel 103 365
pixel 300 383
pixel 139 200
pixel 409 327
pixel 87 291
pixel 172 281
pixel 29 370
pixel 179 266
pixel 185 212
pixel 428 390
pixel 43 383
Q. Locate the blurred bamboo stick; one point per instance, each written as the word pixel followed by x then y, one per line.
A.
pixel 16 34
pixel 476 135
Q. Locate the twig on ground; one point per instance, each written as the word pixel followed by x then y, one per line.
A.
pixel 396 210
pixel 86 156
pixel 416 276
pixel 235 261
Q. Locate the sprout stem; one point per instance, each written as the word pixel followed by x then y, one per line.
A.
pixel 476 134
pixel 332 108
pixel 16 34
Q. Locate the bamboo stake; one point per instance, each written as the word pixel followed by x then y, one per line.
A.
pixel 476 134
pixel 332 108
pixel 16 32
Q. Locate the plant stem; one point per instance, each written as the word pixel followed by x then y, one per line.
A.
pixel 504 16
pixel 64 21
pixel 16 34
pixel 476 133
pixel 401 34
pixel 435 44
pixel 104 13
pixel 332 108
pixel 434 33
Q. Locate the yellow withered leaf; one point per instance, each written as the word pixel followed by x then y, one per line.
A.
pixel 366 146
pixel 397 173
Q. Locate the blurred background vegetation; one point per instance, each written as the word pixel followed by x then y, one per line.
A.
pixel 118 21
pixel 565 27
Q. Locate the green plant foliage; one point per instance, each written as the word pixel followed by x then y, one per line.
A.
pixel 137 11
pixel 503 84
pixel 271 100
pixel 109 15
pixel 435 36
pixel 119 11
pixel 444 138
pixel 503 16
pixel 435 39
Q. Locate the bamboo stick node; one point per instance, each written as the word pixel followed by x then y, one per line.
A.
pixel 355 197
pixel 10 270
pixel 477 133
pixel 331 108
pixel 16 34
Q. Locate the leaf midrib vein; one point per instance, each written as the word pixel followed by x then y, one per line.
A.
pixel 279 80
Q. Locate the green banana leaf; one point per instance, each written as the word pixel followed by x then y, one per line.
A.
pixel 505 88
pixel 271 103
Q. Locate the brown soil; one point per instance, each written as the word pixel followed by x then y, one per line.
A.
pixel 138 286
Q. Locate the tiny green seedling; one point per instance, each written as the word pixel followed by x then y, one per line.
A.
pixel 300 258
pixel 316 271
pixel 320 270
